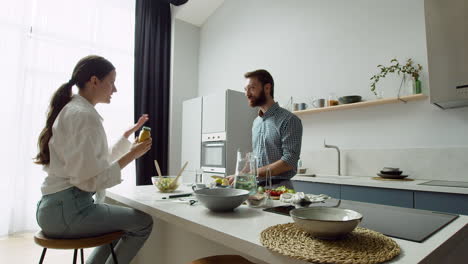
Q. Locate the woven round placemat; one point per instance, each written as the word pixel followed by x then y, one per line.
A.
pixel 360 246
pixel 384 179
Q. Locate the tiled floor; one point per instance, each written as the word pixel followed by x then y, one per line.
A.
pixel 21 249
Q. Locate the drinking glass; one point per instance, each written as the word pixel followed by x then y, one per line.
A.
pixel 198 176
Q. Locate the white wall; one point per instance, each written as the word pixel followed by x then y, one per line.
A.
pixel 314 47
pixel 186 40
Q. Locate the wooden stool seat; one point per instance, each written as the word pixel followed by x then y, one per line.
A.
pixel 222 259
pixel 76 243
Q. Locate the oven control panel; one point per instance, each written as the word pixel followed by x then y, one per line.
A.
pixel 221 136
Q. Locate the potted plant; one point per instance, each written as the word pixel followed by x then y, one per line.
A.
pixel 398 68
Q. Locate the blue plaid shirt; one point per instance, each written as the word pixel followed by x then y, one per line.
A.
pixel 277 135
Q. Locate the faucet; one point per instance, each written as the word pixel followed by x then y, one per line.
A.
pixel 338 150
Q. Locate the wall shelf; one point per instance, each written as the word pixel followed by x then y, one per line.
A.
pixel 402 99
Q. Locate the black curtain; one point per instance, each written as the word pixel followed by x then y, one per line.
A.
pixel 152 74
pixel 152 64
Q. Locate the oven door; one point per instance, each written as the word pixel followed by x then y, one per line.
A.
pixel 213 156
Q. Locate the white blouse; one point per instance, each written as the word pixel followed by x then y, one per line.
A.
pixel 79 154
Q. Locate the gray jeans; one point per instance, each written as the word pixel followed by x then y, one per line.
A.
pixel 72 213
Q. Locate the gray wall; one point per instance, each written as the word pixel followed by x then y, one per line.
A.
pixel 186 41
pixel 314 47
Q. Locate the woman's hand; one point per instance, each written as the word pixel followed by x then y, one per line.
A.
pixel 141 121
pixel 138 149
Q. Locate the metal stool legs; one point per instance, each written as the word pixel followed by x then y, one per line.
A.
pixel 42 255
pixel 113 253
pixel 74 256
pixel 114 257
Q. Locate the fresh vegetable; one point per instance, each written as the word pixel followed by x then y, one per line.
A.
pixel 222 181
pixel 225 182
pixel 280 190
pixel 260 189
pixel 164 185
pixel 219 180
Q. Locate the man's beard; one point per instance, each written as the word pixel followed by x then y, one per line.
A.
pixel 258 101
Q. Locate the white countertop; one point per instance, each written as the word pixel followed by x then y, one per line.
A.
pixel 240 230
pixel 369 182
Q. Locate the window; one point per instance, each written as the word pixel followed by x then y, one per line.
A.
pixel 41 41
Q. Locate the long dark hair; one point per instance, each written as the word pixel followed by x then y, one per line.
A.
pixel 86 68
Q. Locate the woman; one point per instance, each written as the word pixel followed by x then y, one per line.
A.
pixel 73 149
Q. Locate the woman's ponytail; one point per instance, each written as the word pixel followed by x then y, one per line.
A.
pixel 60 98
pixel 87 67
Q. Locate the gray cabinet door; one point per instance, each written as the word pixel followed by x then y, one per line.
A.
pixel 332 190
pixel 392 197
pixel 442 202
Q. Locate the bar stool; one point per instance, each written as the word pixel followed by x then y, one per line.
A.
pixel 222 259
pixel 76 243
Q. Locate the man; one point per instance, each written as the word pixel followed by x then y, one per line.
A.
pixel 276 132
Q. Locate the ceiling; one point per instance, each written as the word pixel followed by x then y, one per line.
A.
pixel 196 12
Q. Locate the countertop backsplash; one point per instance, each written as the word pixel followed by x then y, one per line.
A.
pixel 419 163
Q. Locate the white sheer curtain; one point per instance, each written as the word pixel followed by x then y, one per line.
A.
pixel 41 41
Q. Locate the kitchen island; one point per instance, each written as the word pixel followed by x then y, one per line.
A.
pixel 184 232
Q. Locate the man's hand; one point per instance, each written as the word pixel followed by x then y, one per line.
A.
pixel 141 121
pixel 230 178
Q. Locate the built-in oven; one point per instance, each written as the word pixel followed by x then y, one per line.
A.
pixel 213 152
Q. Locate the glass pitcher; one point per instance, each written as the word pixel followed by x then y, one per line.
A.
pixel 246 172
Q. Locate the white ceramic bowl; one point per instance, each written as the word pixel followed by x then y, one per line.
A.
pixel 326 222
pixel 221 199
pixel 390 169
pixel 164 185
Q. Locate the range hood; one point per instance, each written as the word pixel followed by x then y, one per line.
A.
pixel 447 49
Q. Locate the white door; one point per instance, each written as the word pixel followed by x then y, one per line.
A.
pixel 214 113
pixel 191 136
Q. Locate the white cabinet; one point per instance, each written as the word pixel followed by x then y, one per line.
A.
pixel 447 38
pixel 191 137
pixel 214 113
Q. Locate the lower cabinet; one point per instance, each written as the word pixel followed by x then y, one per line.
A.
pixel 332 190
pixel 433 201
pixel 442 202
pixel 394 197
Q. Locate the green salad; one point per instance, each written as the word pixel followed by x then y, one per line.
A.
pixel 164 185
